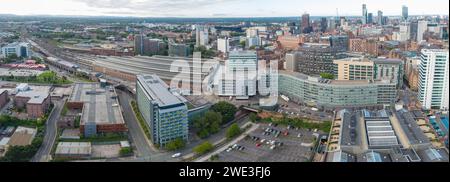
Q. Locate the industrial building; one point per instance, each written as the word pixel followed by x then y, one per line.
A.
pixel 22 136
pixel 164 111
pixel 100 109
pixel 73 150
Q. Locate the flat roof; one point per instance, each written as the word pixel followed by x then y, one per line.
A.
pixel 159 91
pixel 159 65
pixel 73 148
pixel 100 104
pixel 36 97
pixel 387 61
pixel 349 132
pixel 22 136
pixel 331 82
pixel 411 129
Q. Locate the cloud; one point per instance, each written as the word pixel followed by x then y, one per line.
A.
pixel 151 7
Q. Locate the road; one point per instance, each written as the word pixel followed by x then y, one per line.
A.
pixel 135 130
pixel 43 154
pixel 227 145
pixel 146 152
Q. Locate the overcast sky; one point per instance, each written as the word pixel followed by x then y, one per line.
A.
pixel 218 8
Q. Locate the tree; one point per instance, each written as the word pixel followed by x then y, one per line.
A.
pixel 233 131
pixel 242 43
pixel 175 144
pixel 208 124
pixel 48 76
pixel 203 148
pixel 327 76
pixel 226 109
pixel 125 151
pixel 253 117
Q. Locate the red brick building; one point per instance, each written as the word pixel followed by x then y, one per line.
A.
pixel 35 103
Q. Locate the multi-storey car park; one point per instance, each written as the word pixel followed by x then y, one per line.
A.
pixel 325 93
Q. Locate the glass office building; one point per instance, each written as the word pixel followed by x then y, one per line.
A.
pixel 325 93
pixel 165 112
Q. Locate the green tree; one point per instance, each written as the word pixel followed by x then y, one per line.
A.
pixel 175 144
pixel 226 109
pixel 203 148
pixel 208 124
pixel 125 151
pixel 233 131
pixel 253 117
pixel 327 76
pixel 242 43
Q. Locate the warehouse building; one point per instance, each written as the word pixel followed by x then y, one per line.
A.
pixel 100 110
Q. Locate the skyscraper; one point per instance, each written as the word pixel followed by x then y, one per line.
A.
pixel 422 26
pixel 323 24
pixel 223 45
pixel 413 30
pixel 370 18
pixel 405 12
pixel 380 18
pixel 433 79
pixel 364 13
pixel 305 27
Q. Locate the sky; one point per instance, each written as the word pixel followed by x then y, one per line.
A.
pixel 219 8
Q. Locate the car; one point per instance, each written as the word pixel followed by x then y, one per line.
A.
pixel 258 145
pixel 277 135
pixel 176 155
pixel 229 149
pixel 299 135
pixel 241 148
pixel 272 147
pixel 285 133
pixel 234 146
pixel 263 140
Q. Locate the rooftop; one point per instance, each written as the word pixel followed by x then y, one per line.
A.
pixel 73 148
pixel 411 129
pixel 160 91
pixel 159 65
pixel 100 104
pixel 36 96
pixel 22 136
pixel 331 82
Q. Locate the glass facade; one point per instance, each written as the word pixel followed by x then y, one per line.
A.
pixel 336 95
pixel 167 122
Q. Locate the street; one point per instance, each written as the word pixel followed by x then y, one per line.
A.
pixel 43 154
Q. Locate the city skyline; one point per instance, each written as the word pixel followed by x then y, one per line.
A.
pixel 218 8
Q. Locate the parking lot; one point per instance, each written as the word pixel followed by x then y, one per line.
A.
pixel 293 109
pixel 272 144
